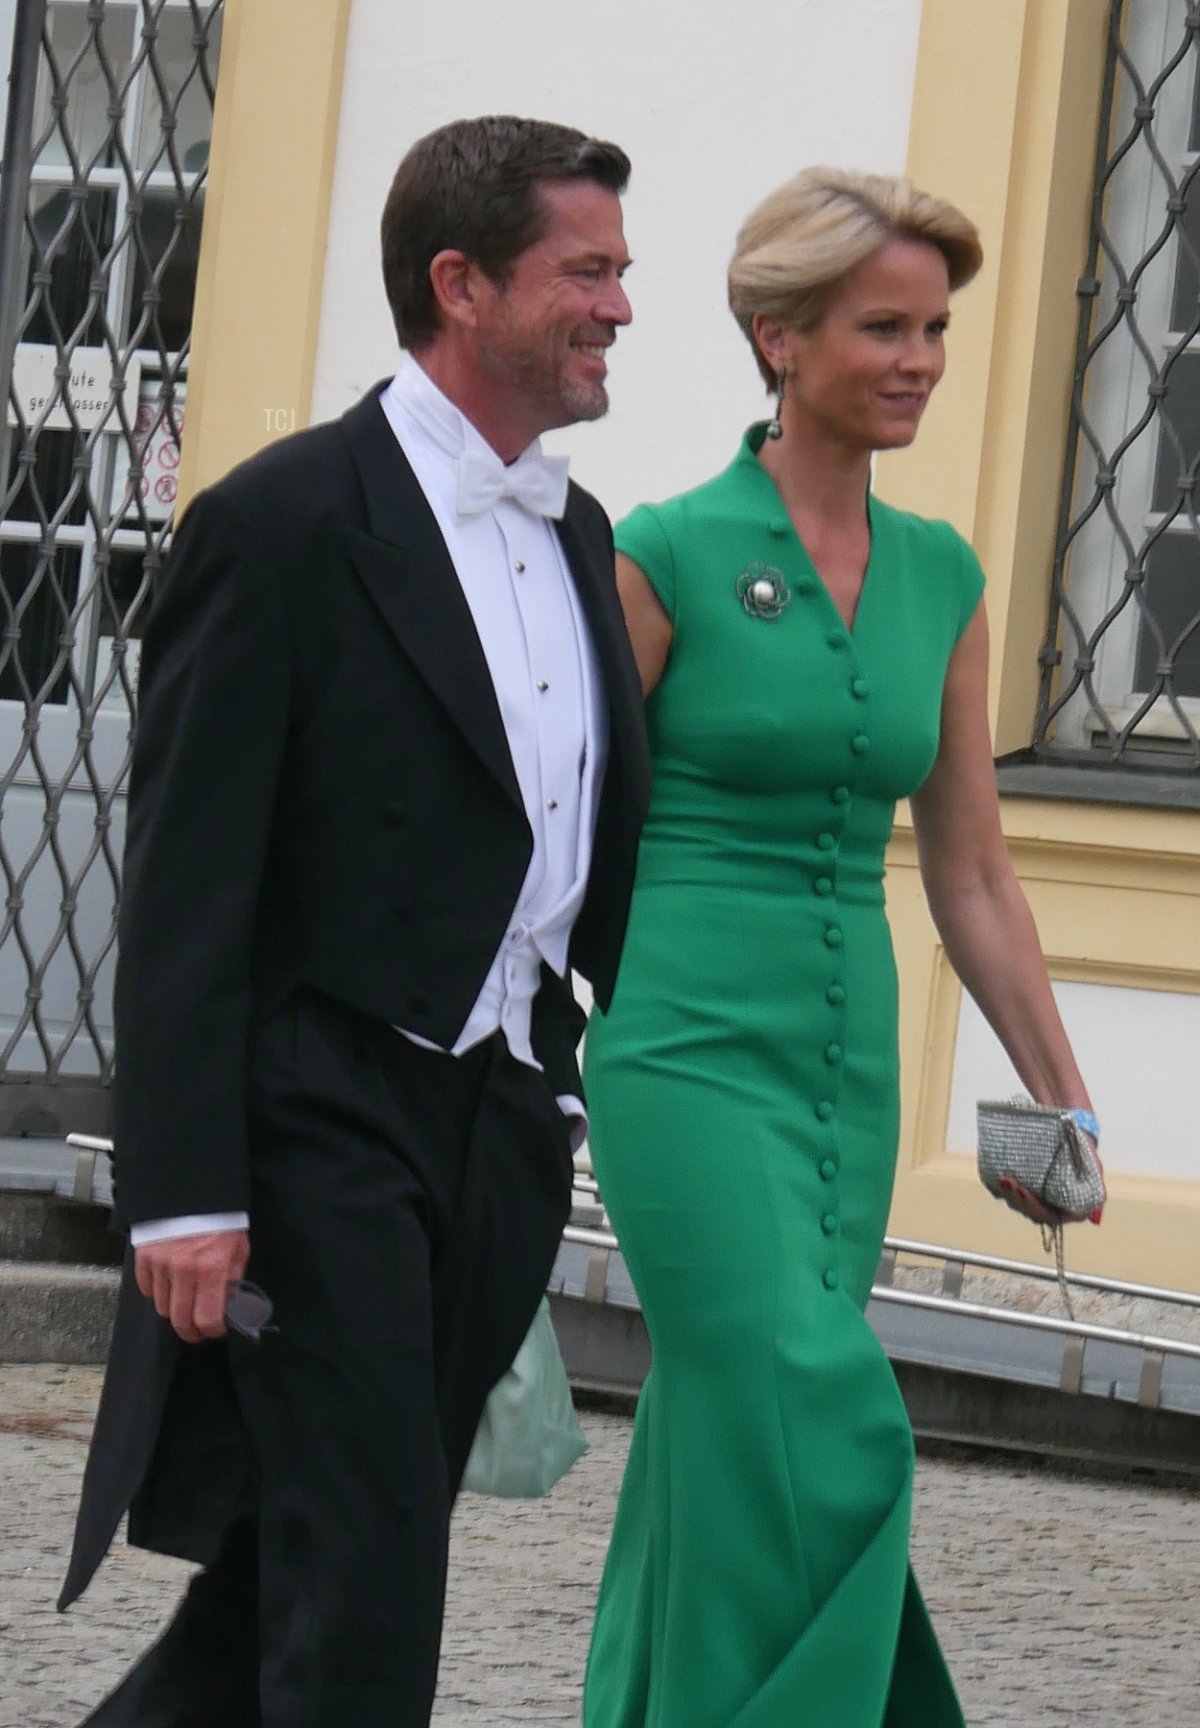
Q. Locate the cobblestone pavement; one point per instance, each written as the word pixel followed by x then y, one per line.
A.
pixel 1056 1600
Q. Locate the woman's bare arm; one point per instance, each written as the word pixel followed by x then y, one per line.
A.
pixel 649 627
pixel 974 896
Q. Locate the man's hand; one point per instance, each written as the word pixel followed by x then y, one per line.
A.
pixel 187 1278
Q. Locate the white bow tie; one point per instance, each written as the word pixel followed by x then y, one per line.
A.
pixel 537 482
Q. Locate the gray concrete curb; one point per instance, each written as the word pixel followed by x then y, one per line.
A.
pixel 56 1313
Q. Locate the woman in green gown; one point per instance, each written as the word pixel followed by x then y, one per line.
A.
pixel 810 656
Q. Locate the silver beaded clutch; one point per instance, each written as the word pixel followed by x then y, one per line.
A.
pixel 1044 1150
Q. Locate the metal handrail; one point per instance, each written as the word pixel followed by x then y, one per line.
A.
pixel 586 1237
pixel 1145 1341
pixel 592 1238
pixel 1030 1269
pixel 1148 1342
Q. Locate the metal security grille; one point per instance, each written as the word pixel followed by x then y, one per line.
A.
pixel 1120 679
pixel 101 198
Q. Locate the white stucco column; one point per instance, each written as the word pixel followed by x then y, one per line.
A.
pixel 715 104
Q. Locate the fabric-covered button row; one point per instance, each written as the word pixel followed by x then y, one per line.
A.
pixel 824 887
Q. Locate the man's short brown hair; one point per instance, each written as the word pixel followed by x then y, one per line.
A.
pixel 472 187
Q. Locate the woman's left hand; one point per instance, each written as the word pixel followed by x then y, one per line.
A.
pixel 1025 1201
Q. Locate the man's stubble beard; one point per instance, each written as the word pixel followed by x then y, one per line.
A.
pixel 585 402
pixel 530 373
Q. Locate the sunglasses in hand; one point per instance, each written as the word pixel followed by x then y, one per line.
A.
pixel 248 1310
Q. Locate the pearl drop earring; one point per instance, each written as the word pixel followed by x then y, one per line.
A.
pixel 775 425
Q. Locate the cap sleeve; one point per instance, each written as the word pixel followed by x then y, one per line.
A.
pixel 642 537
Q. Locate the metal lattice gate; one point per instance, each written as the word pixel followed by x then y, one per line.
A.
pixel 1121 659
pixel 101 198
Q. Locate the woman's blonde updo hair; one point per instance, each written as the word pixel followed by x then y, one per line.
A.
pixel 794 249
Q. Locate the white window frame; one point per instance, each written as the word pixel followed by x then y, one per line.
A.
pixel 8 25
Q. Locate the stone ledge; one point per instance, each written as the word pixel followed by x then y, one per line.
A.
pixel 1042 1296
pixel 42 1227
pixel 55 1313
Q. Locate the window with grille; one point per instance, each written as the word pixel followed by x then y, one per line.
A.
pixel 1121 663
pixel 99 264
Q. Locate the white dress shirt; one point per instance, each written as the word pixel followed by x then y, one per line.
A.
pixel 539 652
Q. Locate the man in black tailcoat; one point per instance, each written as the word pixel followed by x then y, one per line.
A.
pixel 389 776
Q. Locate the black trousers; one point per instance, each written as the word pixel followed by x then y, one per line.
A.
pixel 406 1210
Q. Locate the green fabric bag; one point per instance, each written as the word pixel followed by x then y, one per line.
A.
pixel 528 1436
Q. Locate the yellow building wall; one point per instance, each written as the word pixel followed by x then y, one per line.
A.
pixel 1005 117
pixel 262 251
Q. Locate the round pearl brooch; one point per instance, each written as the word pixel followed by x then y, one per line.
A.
pixel 763 591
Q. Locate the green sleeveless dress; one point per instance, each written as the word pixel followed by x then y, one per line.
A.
pixel 743 1095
